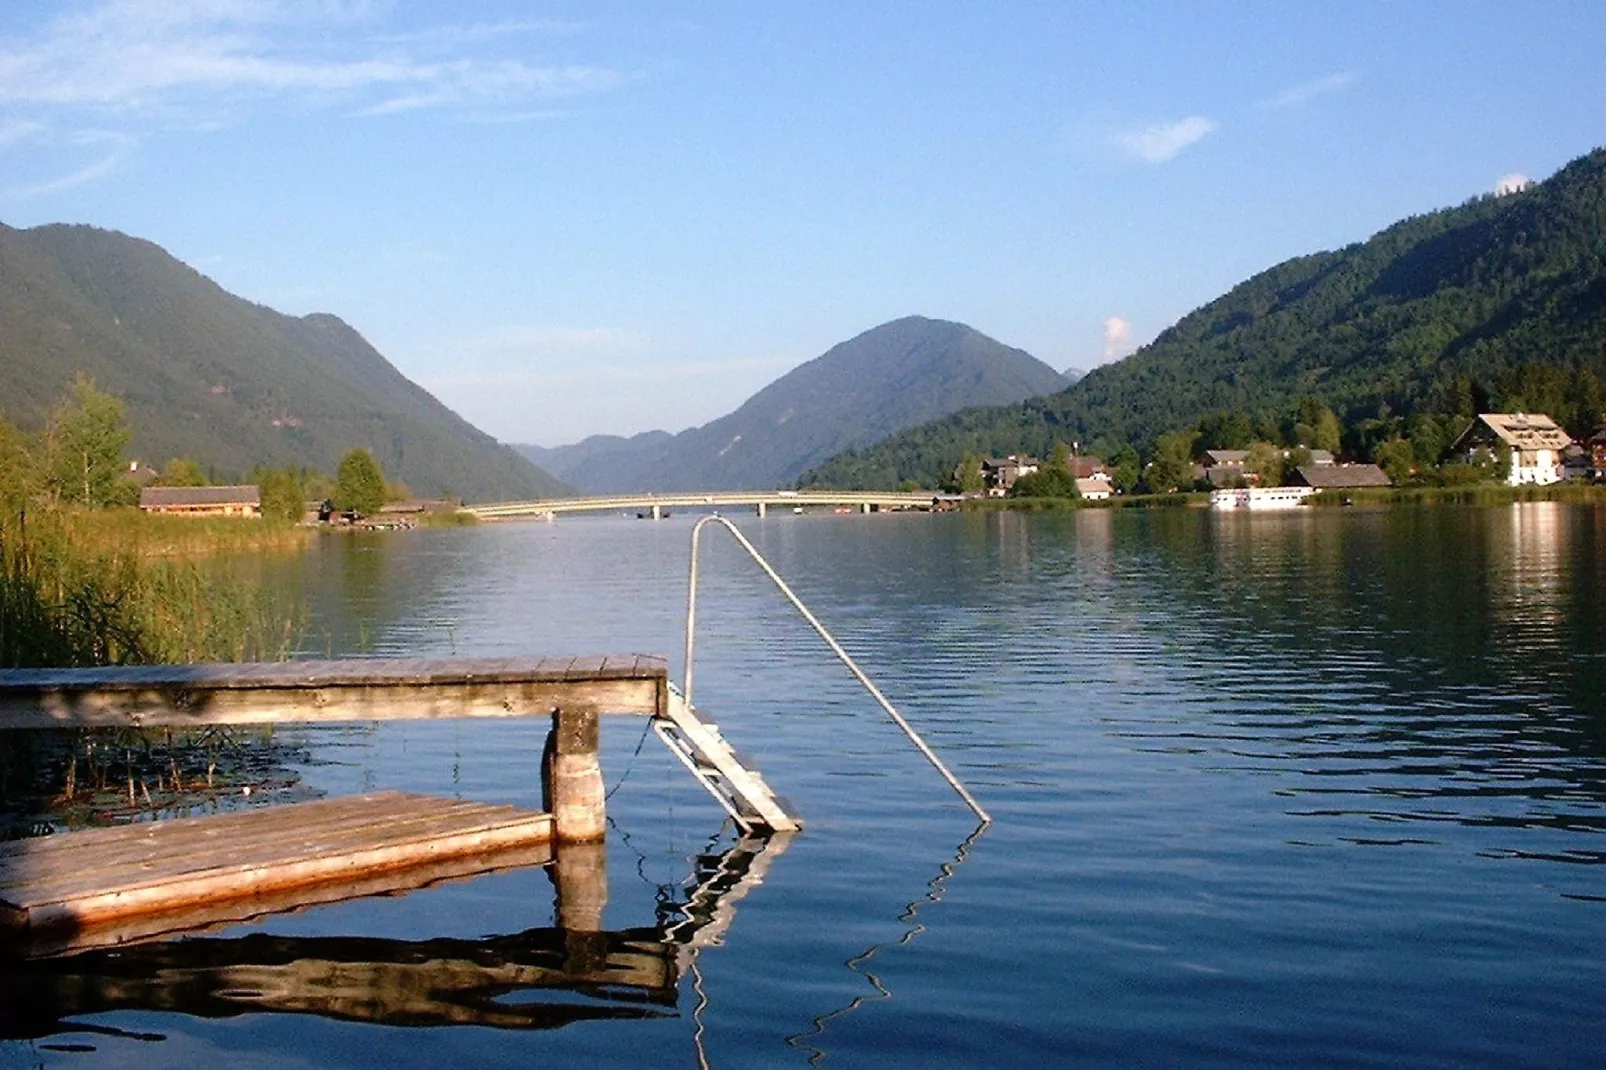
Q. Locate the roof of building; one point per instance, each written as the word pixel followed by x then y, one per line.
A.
pixel 1215 457
pixel 1085 467
pixel 150 497
pixel 1012 461
pixel 1522 430
pixel 1341 475
pixel 1090 487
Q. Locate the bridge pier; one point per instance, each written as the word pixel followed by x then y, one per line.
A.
pixel 763 509
pixel 864 507
pixel 657 511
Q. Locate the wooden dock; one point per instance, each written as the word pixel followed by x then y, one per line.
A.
pixel 355 689
pixel 109 885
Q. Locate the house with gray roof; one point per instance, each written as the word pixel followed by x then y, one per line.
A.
pixel 244 501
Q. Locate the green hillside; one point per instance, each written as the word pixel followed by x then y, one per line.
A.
pixel 890 377
pixel 212 377
pixel 1477 300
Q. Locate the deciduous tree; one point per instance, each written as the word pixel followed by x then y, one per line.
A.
pixel 84 445
pixel 359 483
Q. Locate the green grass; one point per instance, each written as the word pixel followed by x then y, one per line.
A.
pixel 1470 494
pixel 106 588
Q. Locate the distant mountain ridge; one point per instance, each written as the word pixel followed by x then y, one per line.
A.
pixel 1378 327
pixel 212 377
pixel 890 377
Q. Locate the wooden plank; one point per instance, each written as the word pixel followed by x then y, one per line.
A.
pixel 209 842
pixel 46 888
pixel 57 706
pixel 329 673
pixel 219 914
pixel 59 878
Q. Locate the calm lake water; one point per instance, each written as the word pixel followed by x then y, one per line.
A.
pixel 1324 788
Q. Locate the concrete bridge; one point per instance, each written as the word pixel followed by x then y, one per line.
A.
pixel 658 505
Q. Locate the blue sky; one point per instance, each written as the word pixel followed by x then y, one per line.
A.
pixel 566 219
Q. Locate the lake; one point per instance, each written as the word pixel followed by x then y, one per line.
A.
pixel 1325 787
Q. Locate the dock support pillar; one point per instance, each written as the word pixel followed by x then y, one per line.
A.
pixel 763 509
pixel 572 777
pixel 657 512
pixel 864 507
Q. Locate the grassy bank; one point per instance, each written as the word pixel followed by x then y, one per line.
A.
pixel 145 535
pixel 113 588
pixel 1474 494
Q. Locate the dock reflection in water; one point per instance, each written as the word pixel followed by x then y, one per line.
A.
pixel 525 980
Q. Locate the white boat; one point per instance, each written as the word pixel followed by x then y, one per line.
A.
pixel 1260 497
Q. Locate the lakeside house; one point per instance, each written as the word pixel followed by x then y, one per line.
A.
pixel 1531 442
pixel 241 501
pixel 1094 488
pixel 1338 476
pixel 1596 447
pixel 1225 468
pixel 1000 473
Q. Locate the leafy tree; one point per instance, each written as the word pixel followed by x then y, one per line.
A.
pixel 1060 456
pixel 17 474
pixel 1226 431
pixel 1316 426
pixel 179 472
pixel 967 477
pixel 283 495
pixel 1048 482
pixel 1397 458
pixel 1265 462
pixel 1430 436
pixel 359 483
pixel 84 445
pixel 1171 466
pixel 1125 469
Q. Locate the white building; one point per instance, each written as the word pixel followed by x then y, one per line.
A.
pixel 1532 441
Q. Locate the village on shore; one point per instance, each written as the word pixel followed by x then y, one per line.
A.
pixel 1514 449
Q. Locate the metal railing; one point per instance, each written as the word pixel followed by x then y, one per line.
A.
pixel 830 640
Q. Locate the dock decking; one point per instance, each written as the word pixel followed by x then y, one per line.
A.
pixel 109 885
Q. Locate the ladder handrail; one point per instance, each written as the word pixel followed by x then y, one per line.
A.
pixel 830 640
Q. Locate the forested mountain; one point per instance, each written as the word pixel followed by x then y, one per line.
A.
pixel 1502 300
pixel 890 377
pixel 214 378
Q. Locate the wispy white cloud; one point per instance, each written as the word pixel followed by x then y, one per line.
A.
pixel 484 32
pixel 138 55
pixel 105 150
pixel 1162 142
pixel 15 131
pixel 1305 91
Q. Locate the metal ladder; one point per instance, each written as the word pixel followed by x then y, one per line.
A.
pixel 701 749
pixel 721 770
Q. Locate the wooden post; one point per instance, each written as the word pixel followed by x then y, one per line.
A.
pixel 573 777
